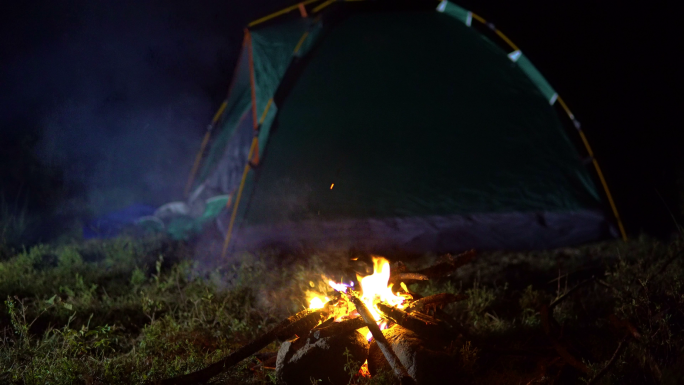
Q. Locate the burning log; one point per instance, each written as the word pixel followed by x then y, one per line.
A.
pixel 435 300
pixel 301 360
pixel 420 323
pixel 338 328
pixel 204 375
pixel 392 359
pixel 424 362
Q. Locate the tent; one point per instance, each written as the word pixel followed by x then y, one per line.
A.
pixel 394 125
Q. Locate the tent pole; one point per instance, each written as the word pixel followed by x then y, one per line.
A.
pixel 281 12
pixel 205 140
pixel 621 227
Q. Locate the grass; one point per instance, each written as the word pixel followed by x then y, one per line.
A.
pixel 128 311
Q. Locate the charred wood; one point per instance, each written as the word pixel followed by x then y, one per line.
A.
pixel 423 324
pixel 394 362
pixel 204 375
pixel 404 277
pixel 448 265
pixel 299 360
pixel 338 328
pixel 426 361
pixel 435 300
pixel 302 326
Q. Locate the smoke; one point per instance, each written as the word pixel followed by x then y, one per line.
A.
pixel 118 93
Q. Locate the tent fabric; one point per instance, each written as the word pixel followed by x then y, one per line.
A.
pixel 228 171
pixel 437 234
pixel 456 12
pixel 272 51
pixel 406 129
pixel 238 103
pixel 536 77
pixel 185 226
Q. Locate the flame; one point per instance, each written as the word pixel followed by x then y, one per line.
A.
pixel 363 370
pixel 341 287
pixel 375 289
pixel 317 303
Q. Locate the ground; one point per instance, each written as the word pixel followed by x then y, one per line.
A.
pixel 131 311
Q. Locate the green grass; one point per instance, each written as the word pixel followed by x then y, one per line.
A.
pixel 128 311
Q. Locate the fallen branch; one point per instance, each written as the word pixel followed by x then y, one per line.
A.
pixel 204 375
pixel 560 349
pixel 384 345
pixel 436 300
pixel 621 346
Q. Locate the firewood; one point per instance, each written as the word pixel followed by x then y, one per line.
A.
pixel 426 361
pixel 338 328
pixel 300 327
pixel 300 359
pixel 423 324
pixel 436 300
pixel 324 324
pixel 396 365
pixel 204 375
pixel 403 277
pixel 448 265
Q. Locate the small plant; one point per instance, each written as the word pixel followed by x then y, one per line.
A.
pixel 468 356
pixel 530 303
pixel 351 366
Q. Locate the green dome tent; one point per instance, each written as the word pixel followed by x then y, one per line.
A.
pixel 380 125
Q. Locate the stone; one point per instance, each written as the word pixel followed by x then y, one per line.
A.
pixel 422 360
pixel 301 359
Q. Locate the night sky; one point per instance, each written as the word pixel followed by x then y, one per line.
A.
pixel 104 103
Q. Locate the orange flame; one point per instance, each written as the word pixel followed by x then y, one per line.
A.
pixel 375 289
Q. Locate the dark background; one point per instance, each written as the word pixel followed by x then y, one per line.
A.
pixel 104 103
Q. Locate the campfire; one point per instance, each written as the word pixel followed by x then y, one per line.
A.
pixel 362 327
